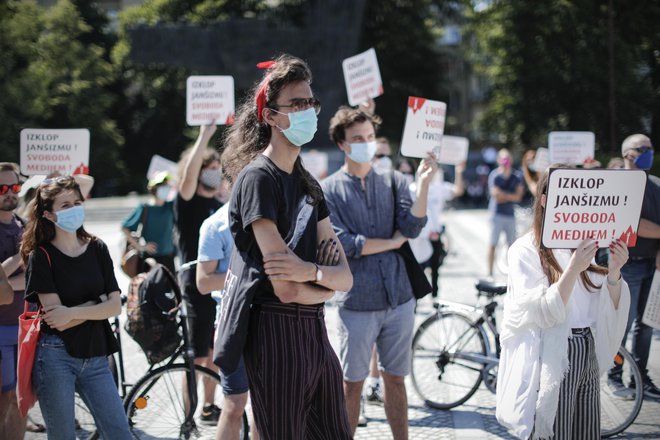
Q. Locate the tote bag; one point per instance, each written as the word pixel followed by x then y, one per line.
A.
pixel 28 338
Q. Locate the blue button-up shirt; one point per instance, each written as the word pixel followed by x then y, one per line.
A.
pixel 380 281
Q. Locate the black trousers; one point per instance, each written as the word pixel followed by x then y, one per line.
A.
pixel 294 375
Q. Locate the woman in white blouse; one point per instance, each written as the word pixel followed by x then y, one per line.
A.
pixel 564 318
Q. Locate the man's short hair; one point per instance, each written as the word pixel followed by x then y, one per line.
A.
pixel 11 166
pixel 345 118
pixel 634 141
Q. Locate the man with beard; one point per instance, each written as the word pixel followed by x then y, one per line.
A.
pixel 199 181
pixel 12 425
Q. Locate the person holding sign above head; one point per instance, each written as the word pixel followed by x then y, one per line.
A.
pixel 199 180
pixel 562 325
pixel 272 309
pixel 372 219
pixel 638 272
pixel 506 189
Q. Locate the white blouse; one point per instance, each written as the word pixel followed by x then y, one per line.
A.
pixel 534 337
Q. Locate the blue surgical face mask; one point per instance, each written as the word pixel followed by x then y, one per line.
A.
pixel 70 219
pixel 362 152
pixel 302 126
pixel 644 160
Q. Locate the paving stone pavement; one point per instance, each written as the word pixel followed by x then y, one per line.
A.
pixel 473 420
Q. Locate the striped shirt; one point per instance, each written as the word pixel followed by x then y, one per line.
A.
pixel 380 281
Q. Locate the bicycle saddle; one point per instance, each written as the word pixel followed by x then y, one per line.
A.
pixel 491 287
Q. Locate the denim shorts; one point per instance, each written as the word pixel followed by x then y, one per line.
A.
pixel 392 332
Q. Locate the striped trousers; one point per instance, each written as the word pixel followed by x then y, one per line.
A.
pixel 578 411
pixel 294 375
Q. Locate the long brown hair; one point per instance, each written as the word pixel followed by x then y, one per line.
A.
pixel 551 267
pixel 40 230
pixel 247 136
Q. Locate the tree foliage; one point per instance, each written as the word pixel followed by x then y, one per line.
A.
pixel 548 67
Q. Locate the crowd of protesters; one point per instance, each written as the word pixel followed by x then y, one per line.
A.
pixel 281 246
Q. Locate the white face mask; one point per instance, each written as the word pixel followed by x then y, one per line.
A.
pixel 210 178
pixel 383 164
pixel 362 152
pixel 163 192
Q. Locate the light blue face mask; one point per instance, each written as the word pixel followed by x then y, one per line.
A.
pixel 302 126
pixel 362 152
pixel 70 219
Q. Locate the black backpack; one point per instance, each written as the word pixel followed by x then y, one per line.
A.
pixel 153 303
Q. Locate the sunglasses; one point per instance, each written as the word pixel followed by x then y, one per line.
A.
pixel 57 179
pixel 301 104
pixel 15 188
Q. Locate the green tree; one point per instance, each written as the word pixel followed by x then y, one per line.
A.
pixel 548 67
pixel 56 81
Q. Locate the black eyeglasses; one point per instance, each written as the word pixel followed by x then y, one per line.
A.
pixel 15 188
pixel 380 156
pixel 301 104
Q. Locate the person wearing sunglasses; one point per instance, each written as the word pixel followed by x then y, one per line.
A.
pixel 12 425
pixel 637 152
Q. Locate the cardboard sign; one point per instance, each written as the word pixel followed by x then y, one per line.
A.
pixel 316 162
pixel 571 147
pixel 362 77
pixel 158 164
pixel 652 311
pixel 425 124
pixel 541 160
pixel 44 151
pixel 453 150
pixel 599 204
pixel 209 98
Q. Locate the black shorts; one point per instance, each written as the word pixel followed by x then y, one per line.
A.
pixel 201 319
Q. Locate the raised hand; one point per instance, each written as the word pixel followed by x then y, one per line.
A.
pixel 618 257
pixel 583 255
pixel 427 168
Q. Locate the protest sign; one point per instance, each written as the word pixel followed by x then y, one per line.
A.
pixel 362 77
pixel 44 151
pixel 604 205
pixel 652 311
pixel 209 98
pixel 158 164
pixel 316 162
pixel 541 160
pixel 425 124
pixel 571 147
pixel 453 150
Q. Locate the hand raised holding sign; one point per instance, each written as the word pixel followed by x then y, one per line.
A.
pixel 427 169
pixel 618 257
pixel 582 256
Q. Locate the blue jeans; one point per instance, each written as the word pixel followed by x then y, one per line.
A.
pixel 57 375
pixel 639 275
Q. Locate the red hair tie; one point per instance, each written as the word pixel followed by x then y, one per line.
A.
pixel 261 94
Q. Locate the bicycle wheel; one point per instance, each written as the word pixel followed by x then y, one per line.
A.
pixel 156 408
pixel 618 412
pixel 446 370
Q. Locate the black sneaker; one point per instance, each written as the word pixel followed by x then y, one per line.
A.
pixel 618 389
pixel 374 394
pixel 210 414
pixel 650 390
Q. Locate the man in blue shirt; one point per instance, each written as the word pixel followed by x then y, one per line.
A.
pixel 506 189
pixel 370 224
pixel 215 247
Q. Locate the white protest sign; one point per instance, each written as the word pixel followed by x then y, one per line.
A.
pixel 316 162
pixel 652 311
pixel 541 160
pixel 453 150
pixel 601 204
pixel 362 77
pixel 209 98
pixel 571 147
pixel 44 151
pixel 158 164
pixel 425 124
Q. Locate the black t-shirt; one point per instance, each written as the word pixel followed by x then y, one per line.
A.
pixel 10 243
pixel 76 280
pixel 648 247
pixel 262 190
pixel 188 218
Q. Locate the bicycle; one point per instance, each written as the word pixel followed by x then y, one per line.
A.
pixel 155 404
pixel 457 348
